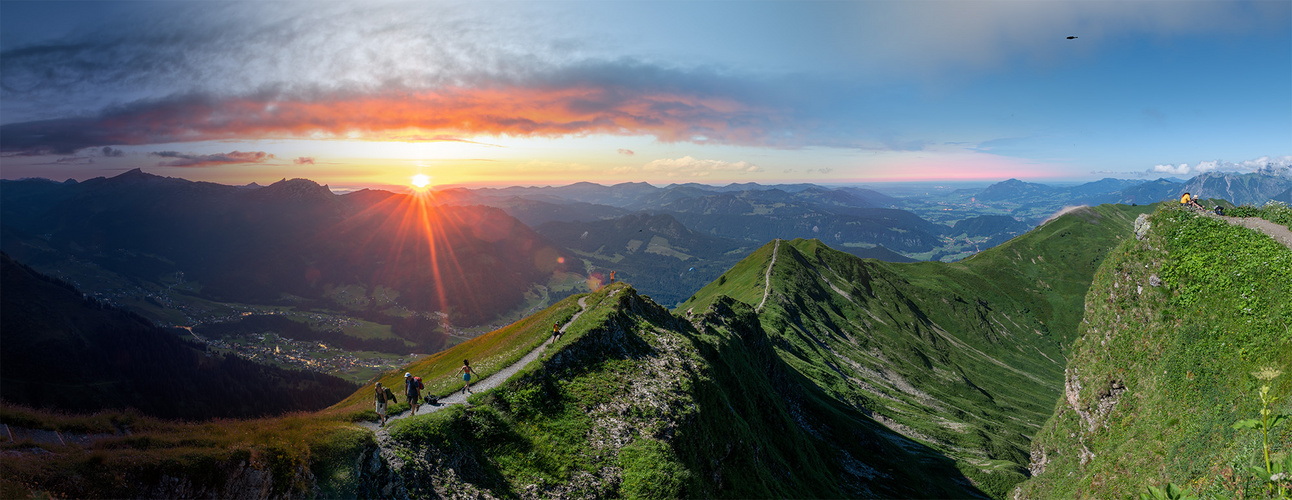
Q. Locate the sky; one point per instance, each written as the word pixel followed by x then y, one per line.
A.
pixel 550 92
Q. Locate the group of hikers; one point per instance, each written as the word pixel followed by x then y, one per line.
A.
pixel 413 385
pixel 413 391
pixel 1190 202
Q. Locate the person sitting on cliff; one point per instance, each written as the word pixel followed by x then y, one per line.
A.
pixel 381 403
pixel 1189 201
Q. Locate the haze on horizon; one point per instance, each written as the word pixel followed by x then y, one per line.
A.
pixel 549 93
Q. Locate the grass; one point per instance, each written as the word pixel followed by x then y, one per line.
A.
pixel 966 357
pixel 1183 352
pixel 635 403
pixel 202 455
pixel 488 354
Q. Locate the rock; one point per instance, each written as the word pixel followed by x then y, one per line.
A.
pixel 1142 225
pixel 1154 280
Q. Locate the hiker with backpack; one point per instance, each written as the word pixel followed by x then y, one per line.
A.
pixel 381 403
pixel 413 389
pixel 466 372
pixel 556 331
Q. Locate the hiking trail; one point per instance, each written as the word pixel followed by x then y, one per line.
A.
pixel 1280 233
pixel 767 285
pixel 457 398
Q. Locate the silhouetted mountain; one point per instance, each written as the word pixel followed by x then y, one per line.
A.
pixel 64 351
pixel 292 237
pixel 656 253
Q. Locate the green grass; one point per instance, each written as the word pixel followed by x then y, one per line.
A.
pixel 1184 352
pixel 488 353
pixel 635 403
pixel 204 454
pixel 967 357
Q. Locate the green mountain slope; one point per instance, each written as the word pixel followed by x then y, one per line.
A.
pixel 636 402
pixel 966 357
pixel 1160 373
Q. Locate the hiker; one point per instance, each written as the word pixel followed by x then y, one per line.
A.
pixel 413 389
pixel 466 372
pixel 381 403
pixel 1188 201
pixel 556 331
pixel 612 277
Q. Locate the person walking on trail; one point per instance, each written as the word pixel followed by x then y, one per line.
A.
pixel 381 403
pixel 466 372
pixel 556 331
pixel 413 389
pixel 1189 201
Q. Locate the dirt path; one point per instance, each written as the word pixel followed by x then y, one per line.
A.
pixel 1280 233
pixel 458 398
pixel 767 286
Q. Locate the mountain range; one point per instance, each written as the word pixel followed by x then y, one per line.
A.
pixel 1104 350
pixel 291 241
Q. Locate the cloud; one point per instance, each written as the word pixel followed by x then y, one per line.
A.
pixel 304 160
pixel 109 152
pixel 688 166
pixel 188 160
pixel 591 103
pixel 1276 165
pixel 626 152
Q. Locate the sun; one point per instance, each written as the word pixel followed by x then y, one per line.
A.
pixel 421 180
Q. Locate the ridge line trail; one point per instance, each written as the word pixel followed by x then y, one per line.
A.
pixel 767 285
pixel 1280 233
pixel 383 435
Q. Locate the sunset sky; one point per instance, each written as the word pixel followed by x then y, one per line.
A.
pixel 554 92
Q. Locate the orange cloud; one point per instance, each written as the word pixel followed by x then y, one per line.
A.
pixel 407 115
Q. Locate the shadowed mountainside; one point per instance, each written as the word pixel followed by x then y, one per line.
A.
pixel 67 352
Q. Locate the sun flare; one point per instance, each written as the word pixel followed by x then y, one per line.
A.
pixel 421 180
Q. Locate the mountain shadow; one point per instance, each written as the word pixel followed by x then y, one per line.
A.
pixel 65 351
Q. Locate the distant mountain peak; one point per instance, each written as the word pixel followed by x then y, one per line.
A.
pixel 295 189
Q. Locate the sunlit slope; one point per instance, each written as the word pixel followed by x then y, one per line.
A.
pixel 636 402
pixel 967 357
pixel 1160 374
pixel 488 353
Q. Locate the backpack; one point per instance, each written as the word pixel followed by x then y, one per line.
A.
pixel 1220 210
pixel 390 396
pixel 419 383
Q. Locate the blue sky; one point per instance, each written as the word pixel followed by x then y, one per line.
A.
pixel 722 91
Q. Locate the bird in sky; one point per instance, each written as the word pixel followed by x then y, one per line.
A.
pixel 1072 38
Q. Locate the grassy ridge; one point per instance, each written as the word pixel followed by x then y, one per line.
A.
pixel 488 353
pixel 966 357
pixel 637 403
pixel 1160 373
